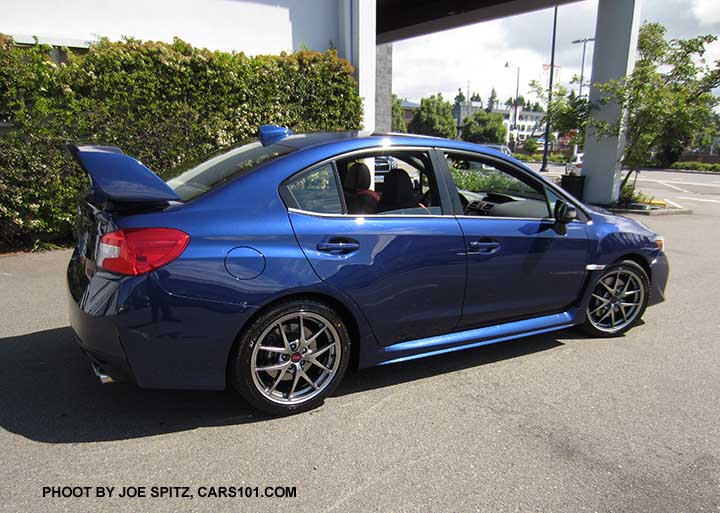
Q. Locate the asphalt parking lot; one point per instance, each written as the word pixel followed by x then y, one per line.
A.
pixel 556 422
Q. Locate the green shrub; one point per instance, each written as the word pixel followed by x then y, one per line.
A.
pixel 697 166
pixel 537 157
pixel 630 195
pixel 530 145
pixel 163 103
pixel 479 180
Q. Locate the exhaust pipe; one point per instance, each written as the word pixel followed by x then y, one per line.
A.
pixel 104 378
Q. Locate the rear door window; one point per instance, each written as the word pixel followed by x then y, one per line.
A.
pixel 317 190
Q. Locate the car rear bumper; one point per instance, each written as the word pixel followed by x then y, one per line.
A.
pixel 134 331
pixel 98 339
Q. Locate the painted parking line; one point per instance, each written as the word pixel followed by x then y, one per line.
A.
pixel 672 186
pixel 700 199
pixel 678 182
pixel 671 202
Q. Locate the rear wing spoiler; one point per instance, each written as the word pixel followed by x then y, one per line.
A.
pixel 120 178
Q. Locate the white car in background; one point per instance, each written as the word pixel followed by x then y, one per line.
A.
pixel 575 165
pixel 499 147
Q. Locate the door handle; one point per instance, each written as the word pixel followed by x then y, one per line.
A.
pixel 484 247
pixel 338 247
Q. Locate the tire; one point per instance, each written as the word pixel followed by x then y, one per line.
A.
pixel 618 301
pixel 284 372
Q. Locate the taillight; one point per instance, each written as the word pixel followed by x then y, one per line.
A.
pixel 578 165
pixel 140 250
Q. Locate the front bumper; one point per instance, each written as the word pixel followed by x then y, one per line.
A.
pixel 659 272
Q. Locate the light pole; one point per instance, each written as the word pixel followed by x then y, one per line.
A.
pixel 546 147
pixel 584 42
pixel 517 93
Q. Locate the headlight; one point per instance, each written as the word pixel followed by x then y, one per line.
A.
pixel 660 242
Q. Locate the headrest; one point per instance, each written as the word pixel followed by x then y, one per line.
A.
pixel 357 177
pixel 398 188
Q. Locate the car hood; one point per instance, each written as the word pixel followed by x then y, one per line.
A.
pixel 603 217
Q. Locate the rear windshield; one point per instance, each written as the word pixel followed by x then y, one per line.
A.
pixel 193 179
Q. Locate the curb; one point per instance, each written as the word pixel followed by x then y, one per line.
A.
pixel 683 171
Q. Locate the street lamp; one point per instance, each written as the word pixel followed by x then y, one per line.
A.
pixel 584 42
pixel 517 93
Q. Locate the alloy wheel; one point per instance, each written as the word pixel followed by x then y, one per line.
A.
pixel 616 301
pixel 296 358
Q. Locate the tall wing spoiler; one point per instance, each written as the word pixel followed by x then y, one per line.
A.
pixel 119 177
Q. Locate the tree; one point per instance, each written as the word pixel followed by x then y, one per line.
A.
pixel 476 98
pixel 460 97
pixel 398 115
pixel 492 100
pixel 485 128
pixel 530 145
pixel 666 100
pixel 568 113
pixel 434 117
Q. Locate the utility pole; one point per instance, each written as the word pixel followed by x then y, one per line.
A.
pixel 546 148
pixel 517 93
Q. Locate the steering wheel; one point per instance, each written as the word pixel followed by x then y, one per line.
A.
pixel 426 198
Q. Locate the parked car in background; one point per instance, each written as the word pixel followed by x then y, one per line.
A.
pixel 575 165
pixel 499 147
pixel 272 266
pixel 383 165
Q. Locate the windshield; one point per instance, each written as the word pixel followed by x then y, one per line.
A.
pixel 193 179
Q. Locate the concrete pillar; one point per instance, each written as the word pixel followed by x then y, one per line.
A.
pixel 357 44
pixel 616 33
pixel 383 88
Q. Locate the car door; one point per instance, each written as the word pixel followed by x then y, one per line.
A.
pixel 406 271
pixel 520 262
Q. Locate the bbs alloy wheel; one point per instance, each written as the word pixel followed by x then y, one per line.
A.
pixel 292 357
pixel 618 299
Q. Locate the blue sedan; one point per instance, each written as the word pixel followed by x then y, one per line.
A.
pixel 273 266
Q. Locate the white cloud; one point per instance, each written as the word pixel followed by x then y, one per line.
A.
pixel 707 12
pixel 446 61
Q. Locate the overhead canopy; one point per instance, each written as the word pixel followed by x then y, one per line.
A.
pixel 402 19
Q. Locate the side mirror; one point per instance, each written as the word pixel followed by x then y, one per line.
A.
pixel 564 213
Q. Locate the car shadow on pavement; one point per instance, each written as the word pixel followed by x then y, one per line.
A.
pixel 49 393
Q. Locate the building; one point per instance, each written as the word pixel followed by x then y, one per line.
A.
pixel 529 122
pixel 463 110
pixel 409 109
pixel 354 27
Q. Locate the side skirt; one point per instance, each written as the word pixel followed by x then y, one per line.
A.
pixel 412 349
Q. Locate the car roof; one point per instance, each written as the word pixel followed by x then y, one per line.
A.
pixel 369 140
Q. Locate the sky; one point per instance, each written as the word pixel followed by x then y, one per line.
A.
pixel 445 61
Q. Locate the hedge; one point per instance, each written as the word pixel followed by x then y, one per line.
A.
pixel 164 103
pixel 697 166
pixel 537 157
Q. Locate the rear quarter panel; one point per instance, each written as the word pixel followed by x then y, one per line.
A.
pixel 204 307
